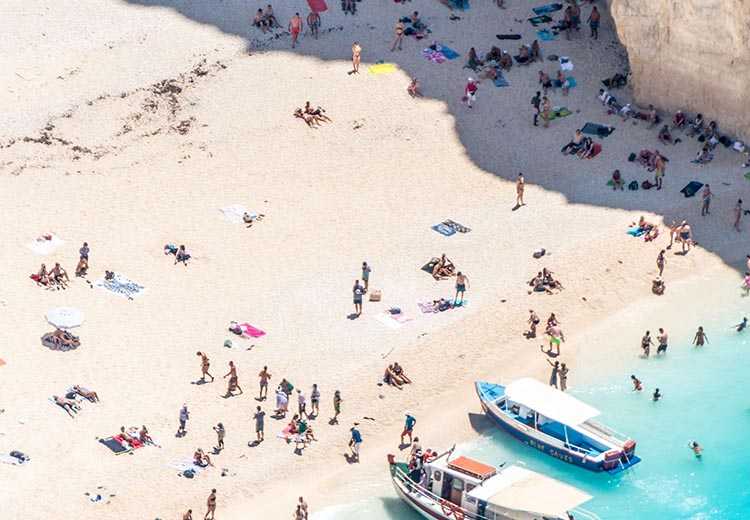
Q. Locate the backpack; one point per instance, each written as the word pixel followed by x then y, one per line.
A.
pixel 631 157
pixel 633 186
pixel 188 473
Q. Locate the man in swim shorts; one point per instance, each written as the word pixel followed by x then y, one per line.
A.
pixel 295 26
pixel 663 338
pixel 646 343
pixel 461 282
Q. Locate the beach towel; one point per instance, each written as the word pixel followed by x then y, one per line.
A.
pixel 249 331
pixel 546 9
pixel 456 226
pixel 382 68
pixel 500 80
pixel 115 446
pixel 393 321
pixel 427 307
pixel 636 231
pixel 596 149
pixel 186 464
pixel 546 35
pixel 317 6
pixel 449 53
pixel 559 112
pixel 433 56
pixel 45 244
pixel 597 129
pixel 537 20
pixel 691 189
pixel 444 230
pixel 429 266
pixel 461 5
pixel 121 286
pixel 508 36
pixel 234 213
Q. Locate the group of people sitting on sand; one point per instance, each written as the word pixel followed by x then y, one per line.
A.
pixel 581 146
pixel 134 438
pixel 300 431
pixel 61 340
pixel 683 234
pixel 443 268
pixel 180 254
pixel 201 459
pixel 55 278
pixel 265 19
pixel 645 229
pixel 395 376
pixel 496 60
pixel 313 117
pixel 544 282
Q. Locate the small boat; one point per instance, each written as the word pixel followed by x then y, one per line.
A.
pixel 557 424
pixel 466 489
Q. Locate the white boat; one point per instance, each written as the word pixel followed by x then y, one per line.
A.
pixel 557 424
pixel 466 489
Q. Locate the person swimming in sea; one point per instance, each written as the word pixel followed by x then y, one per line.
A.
pixel 741 326
pixel 697 449
pixel 657 395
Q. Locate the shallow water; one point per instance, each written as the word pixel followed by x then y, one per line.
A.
pixel 704 399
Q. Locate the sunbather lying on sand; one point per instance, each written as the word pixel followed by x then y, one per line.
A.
pixel 249 219
pixel 307 118
pixel 86 394
pixel 181 256
pixel 443 269
pixel 61 340
pixel 317 113
pixel 70 406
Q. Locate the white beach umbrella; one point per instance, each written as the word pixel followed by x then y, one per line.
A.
pixel 65 317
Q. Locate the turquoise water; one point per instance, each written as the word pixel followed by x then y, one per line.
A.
pixel 705 399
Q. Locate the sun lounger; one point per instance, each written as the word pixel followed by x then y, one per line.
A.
pixel 597 129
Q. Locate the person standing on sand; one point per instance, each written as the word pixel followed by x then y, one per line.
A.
pixel 205 364
pixel 313 22
pixel 461 282
pixel 660 261
pixel 295 26
pixel 315 400
pixel 220 433
pixel 184 416
pixel 408 428
pixel 399 35
pixel 662 338
pixel 700 338
pixel 259 420
pixel 686 236
pixel 470 92
pixel 357 292
pixel 737 215
pixel 233 380
pixel 302 404
pixel 706 197
pixel 637 385
pixel 355 442
pixel 356 57
pixel 366 270
pixel 188 515
pixel 336 407
pixel 264 378
pixel 646 343
pixel 302 507
pixel 536 102
pixel 533 322
pixel 594 19
pixel 211 505
pixel 563 373
pixel 546 111
pixel 660 166
pixel 520 187
pixel 553 375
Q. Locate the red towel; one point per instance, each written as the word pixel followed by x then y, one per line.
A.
pixel 317 5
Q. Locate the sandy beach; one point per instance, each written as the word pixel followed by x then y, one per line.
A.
pixel 130 124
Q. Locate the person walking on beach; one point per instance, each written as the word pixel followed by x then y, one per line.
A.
pixel 536 102
pixel 336 407
pixel 399 35
pixel 737 215
pixel 211 505
pixel 366 270
pixel 553 375
pixel 660 261
pixel 264 377
pixel 520 187
pixel 470 92
pixel 408 428
pixel 461 282
pixel 355 442
pixel 533 322
pixel 637 385
pixel 220 433
pixel 259 420
pixel 700 338
pixel 556 336
pixel 594 19
pixel 563 373
pixel 301 404
pixel 302 506
pixel 184 416
pixel 546 111
pixel 356 57
pixel 313 22
pixel 660 166
pixel 686 236
pixel 662 338
pixel 646 343
pixel 295 26
pixel 315 401
pixel 205 364
pixel 357 292
pixel 234 383
pixel 706 197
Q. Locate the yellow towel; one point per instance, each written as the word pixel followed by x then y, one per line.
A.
pixel 382 68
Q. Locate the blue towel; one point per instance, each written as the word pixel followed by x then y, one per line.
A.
pixel 449 53
pixel 546 9
pixel 500 81
pixel 571 81
pixel 444 230
pixel 462 5
pixel 636 231
pixel 546 35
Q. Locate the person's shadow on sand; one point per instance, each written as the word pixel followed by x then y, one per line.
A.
pixel 351 459
pixel 254 444
pixel 352 316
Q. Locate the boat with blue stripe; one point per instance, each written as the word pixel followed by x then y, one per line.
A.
pixel 557 424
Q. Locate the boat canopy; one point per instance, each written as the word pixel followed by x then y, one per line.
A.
pixel 550 402
pixel 519 489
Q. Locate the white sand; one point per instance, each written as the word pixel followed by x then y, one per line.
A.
pixel 332 198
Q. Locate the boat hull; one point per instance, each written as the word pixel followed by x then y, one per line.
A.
pixel 424 510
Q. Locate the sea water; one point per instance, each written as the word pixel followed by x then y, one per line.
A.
pixel 704 399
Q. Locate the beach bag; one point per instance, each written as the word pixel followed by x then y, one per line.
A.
pixel 633 186
pixel 22 457
pixel 188 473
pixel 375 296
pixel 632 157
pixel 646 185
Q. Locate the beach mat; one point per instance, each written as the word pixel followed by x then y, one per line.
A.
pixel 449 53
pixel 250 331
pixel 461 5
pixel 444 230
pixel 382 68
pixel 560 112
pixel 429 266
pixel 234 213
pixel 546 35
pixel 508 36
pixel 547 8
pixel 317 6
pixel 393 321
pixel 121 286
pixel 597 129
pixel 691 189
pixel 537 20
pixel 46 244
pixel 115 446
pixel 500 81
